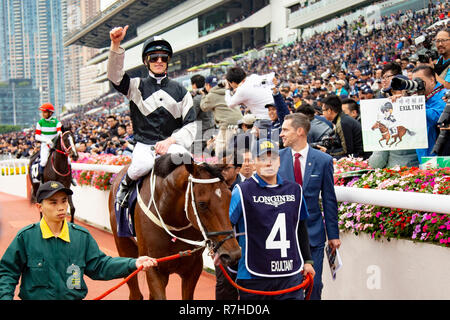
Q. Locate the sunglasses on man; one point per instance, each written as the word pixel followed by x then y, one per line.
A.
pixel 155 56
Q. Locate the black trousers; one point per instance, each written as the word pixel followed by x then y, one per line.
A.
pixel 224 289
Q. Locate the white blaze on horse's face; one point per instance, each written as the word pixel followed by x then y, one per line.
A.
pixel 73 146
pixel 218 193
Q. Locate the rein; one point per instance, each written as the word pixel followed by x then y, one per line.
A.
pixel 65 152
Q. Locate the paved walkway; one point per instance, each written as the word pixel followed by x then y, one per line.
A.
pixel 16 213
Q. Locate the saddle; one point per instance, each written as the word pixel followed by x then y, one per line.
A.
pixel 34 169
pixel 125 216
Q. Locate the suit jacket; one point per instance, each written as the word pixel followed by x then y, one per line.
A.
pixel 317 179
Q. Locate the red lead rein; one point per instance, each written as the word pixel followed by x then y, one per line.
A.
pixel 172 257
pixel 307 283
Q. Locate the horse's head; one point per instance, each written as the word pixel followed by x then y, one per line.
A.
pixel 212 200
pixel 376 125
pixel 68 145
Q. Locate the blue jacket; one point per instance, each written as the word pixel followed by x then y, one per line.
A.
pixel 237 218
pixel 433 109
pixel 317 178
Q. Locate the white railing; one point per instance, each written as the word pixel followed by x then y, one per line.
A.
pixel 96 167
pixel 426 202
pixel 12 167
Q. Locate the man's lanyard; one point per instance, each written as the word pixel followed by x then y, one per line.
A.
pixel 432 93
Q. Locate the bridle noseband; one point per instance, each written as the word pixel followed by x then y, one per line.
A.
pixel 206 235
pixel 189 192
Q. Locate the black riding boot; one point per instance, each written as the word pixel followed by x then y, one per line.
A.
pixel 41 174
pixel 124 189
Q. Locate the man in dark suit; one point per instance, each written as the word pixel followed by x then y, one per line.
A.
pixel 312 169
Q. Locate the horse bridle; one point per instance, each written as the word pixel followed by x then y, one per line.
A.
pixel 190 192
pixel 206 235
pixel 66 152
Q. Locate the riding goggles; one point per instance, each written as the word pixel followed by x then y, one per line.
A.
pixel 155 56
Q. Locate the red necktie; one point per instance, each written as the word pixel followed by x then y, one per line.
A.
pixel 298 169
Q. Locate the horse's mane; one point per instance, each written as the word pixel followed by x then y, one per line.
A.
pixel 215 171
pixel 164 166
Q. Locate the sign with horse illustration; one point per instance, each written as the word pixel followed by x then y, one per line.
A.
pixel 399 125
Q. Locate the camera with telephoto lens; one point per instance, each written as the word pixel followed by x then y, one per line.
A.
pixel 427 55
pixel 443 122
pixel 414 85
pixel 328 141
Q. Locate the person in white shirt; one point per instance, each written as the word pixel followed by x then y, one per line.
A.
pixel 253 91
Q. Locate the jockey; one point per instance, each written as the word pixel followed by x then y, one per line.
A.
pixel 161 110
pixel 46 129
pixel 389 119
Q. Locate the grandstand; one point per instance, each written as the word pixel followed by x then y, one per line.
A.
pixel 211 31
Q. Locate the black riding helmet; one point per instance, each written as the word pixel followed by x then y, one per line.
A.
pixel 156 43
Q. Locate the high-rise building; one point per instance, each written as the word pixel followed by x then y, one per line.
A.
pixel 79 85
pixel 18 102
pixel 32 46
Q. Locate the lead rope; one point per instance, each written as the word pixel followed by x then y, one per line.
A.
pixel 307 283
pixel 159 260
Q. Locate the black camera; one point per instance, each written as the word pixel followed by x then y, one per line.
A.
pixel 443 122
pixel 425 57
pixel 415 85
pixel 328 141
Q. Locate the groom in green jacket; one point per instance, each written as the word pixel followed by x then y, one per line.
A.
pixel 51 256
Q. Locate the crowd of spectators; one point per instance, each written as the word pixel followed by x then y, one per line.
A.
pixel 347 62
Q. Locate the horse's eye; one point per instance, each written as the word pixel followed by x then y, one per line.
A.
pixel 202 205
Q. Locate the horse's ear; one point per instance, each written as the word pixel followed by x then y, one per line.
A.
pixel 188 162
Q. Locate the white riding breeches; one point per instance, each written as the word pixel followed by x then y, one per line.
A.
pixel 45 151
pixel 143 158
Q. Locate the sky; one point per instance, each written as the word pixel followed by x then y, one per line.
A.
pixel 105 4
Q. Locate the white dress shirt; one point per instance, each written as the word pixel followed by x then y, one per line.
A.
pixel 304 153
pixel 253 95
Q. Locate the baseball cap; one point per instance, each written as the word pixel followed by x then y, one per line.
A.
pixel 263 146
pixel 49 188
pixel 211 80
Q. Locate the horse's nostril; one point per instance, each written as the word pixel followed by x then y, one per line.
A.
pixel 225 258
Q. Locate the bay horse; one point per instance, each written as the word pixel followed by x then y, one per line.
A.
pixel 192 200
pixel 386 135
pixel 57 167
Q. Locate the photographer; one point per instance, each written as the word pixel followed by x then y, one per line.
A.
pixel 391 158
pixel 223 115
pixel 434 104
pixel 348 130
pixel 389 71
pixel 442 146
pixel 442 67
pixel 204 119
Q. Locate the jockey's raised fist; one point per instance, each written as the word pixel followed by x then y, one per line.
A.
pixel 118 33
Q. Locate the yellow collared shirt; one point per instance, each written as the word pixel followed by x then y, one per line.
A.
pixel 47 233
